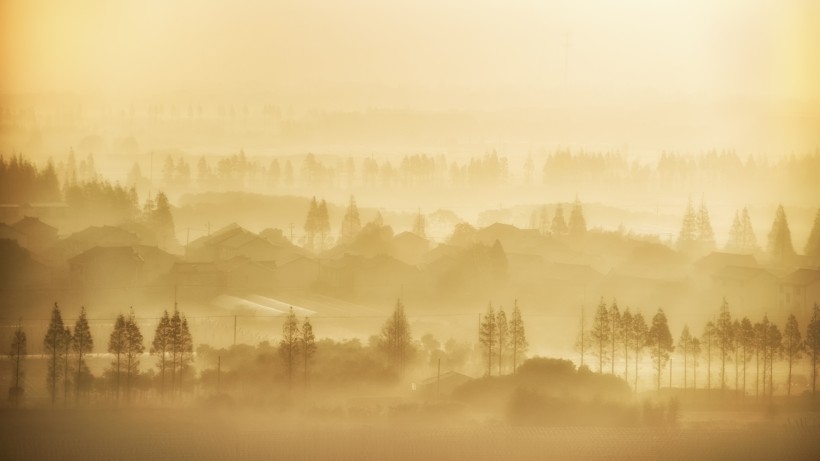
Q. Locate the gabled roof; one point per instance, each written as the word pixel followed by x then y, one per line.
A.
pixel 802 277
pixel 105 235
pixel 742 274
pixel 717 260
pixel 453 376
pixel 30 225
pixel 106 255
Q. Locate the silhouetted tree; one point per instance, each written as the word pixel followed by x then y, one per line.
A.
pixel 695 351
pixel 322 224
pixel 741 236
pixel 688 234
pixel 793 345
pixel 503 337
pixel 17 353
pixel 812 249
pixel 601 333
pixel 518 338
pixel 616 333
pixel 625 337
pixel 54 345
pixel 775 348
pixel 706 237
pixel 351 224
pixel 132 350
pixel 289 345
pixel 488 336
pixel 161 347
pixel 83 344
pixel 420 225
pixel 308 346
pixel 640 330
pixel 746 337
pixel 684 346
pixel 813 345
pixel 67 345
pixel 577 223
pixel 660 342
pixel 396 340
pixel 708 339
pixel 311 224
pixel 760 330
pixel 117 345
pixel 559 225
pixel 724 332
pixel 780 246
pixel 162 221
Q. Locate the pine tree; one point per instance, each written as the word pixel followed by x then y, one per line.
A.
pixel 289 345
pixel 160 347
pixel 689 229
pixel 68 340
pixel 162 221
pixel 518 338
pixel 640 330
pixel 83 344
pixel 747 343
pixel 626 339
pixel 311 224
pixel 601 334
pixel 322 224
pixel 488 336
pixel 708 340
pixel 559 225
pixel 420 225
pixel 813 345
pixel 54 345
pixel 775 349
pixel 706 236
pixel 616 333
pixel 684 347
pixel 396 339
pixel 735 242
pixel 503 337
pixel 351 223
pixel 133 349
pixel 17 353
pixel 695 351
pixel 812 249
pixel 780 246
pixel 117 346
pixel 749 241
pixel 660 343
pixel 308 346
pixel 793 345
pixel 186 350
pixel 723 330
pixel 577 223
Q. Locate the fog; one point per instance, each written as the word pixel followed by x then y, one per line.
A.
pixel 409 230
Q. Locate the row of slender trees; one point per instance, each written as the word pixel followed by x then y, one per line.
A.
pixel 620 335
pixel 501 339
pixel 67 351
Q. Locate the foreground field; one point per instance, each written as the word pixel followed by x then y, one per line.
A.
pixel 213 435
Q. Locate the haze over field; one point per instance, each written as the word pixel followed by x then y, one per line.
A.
pixel 409 230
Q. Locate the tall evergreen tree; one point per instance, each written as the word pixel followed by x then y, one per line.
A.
pixel 518 338
pixel 723 330
pixel 117 346
pixel 601 333
pixel 695 351
pixel 577 222
pixel 706 236
pixel 134 348
pixel 625 338
pixel 488 336
pixel 640 330
pixel 311 224
pixel 420 225
pixel 684 347
pixel 780 246
pixel 709 338
pixel 68 340
pixel 396 339
pixel 747 343
pixel 813 345
pixel 749 241
pixel 322 224
pixel 559 225
pixel 308 346
pixel 83 344
pixel 503 337
pixel 793 345
pixel 735 242
pixel 162 221
pixel 812 249
pixel 775 349
pixel 689 229
pixel 615 335
pixel 289 345
pixel 54 345
pixel 351 223
pixel 161 347
pixel 17 353
pixel 659 339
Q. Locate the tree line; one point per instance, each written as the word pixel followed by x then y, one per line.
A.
pixel 623 336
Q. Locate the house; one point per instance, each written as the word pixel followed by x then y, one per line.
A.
pixel 409 247
pixel 716 260
pixel 106 270
pixel 441 386
pixel 38 235
pixel 88 238
pixel 753 290
pixel 799 291
pixel 298 273
pixel 232 241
